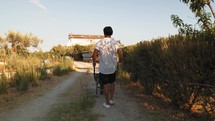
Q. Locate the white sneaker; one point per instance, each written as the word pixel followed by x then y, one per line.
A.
pixel 112 102
pixel 106 105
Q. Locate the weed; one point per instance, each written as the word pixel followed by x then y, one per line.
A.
pixel 77 110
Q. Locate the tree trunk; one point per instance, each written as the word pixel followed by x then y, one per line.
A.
pixel 211 8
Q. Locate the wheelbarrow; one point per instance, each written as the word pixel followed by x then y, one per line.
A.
pixel 99 85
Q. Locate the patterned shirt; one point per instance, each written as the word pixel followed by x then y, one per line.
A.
pixel 107 48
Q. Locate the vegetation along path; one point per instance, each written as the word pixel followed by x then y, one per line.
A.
pixel 39 107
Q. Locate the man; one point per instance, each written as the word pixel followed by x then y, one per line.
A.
pixel 107 50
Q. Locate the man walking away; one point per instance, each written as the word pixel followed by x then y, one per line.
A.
pixel 107 50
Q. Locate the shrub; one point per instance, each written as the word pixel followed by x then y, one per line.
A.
pixel 180 68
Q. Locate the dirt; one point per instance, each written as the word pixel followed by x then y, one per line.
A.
pixel 35 104
pixel 126 107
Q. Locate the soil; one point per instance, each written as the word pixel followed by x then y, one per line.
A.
pixel 130 104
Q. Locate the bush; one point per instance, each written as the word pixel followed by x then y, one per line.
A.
pixel 180 68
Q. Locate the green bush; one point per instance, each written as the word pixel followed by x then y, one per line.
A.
pixel 180 68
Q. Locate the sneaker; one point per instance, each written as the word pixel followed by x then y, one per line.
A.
pixel 112 102
pixel 106 105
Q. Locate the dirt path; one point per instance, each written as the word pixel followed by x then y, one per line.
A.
pixel 126 107
pixel 36 109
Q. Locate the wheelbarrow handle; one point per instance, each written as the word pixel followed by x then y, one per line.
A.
pixel 94 70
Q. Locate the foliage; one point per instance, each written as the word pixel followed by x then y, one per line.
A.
pixel 19 42
pixel 204 18
pixel 26 72
pixel 198 6
pixel 64 66
pixel 72 51
pixel 180 68
pixel 58 50
pixel 43 74
pixel 3 83
pixel 184 29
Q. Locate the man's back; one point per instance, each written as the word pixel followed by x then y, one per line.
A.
pixel 107 48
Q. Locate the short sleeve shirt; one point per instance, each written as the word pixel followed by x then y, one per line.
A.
pixel 107 48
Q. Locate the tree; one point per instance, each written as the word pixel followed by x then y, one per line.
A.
pixel 3 43
pixel 204 18
pixel 58 50
pixel 184 29
pixel 3 50
pixel 19 42
pixel 197 6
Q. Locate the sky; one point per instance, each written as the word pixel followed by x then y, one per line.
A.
pixel 52 20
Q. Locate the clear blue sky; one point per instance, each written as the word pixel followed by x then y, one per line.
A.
pixel 52 20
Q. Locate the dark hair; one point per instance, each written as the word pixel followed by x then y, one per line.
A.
pixel 108 31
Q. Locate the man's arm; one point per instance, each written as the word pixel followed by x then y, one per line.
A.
pixel 120 54
pixel 94 56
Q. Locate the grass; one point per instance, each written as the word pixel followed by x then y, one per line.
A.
pixel 77 110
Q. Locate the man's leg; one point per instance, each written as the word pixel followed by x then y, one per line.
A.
pixel 107 93
pixel 112 89
pixel 106 89
pixel 112 85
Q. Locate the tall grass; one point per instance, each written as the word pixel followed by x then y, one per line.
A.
pixel 65 65
pixel 26 72
pixel 23 72
pixel 3 84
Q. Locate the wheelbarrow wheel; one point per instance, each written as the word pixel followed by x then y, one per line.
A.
pixel 97 86
pixel 101 88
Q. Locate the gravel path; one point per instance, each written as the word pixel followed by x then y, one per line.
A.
pixel 125 109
